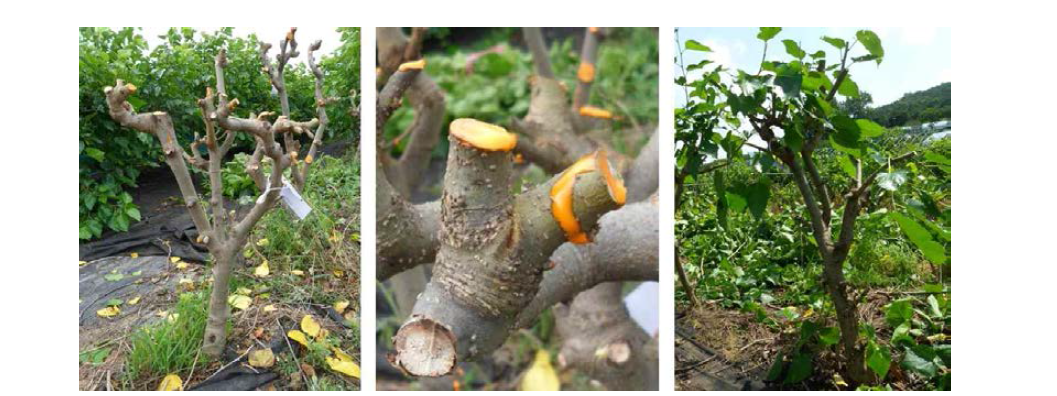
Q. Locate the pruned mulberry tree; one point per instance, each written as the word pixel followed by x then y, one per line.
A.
pixel 792 107
pixel 500 258
pixel 278 145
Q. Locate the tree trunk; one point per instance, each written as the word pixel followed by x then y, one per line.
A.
pixel 215 335
pixel 847 319
pixel 683 279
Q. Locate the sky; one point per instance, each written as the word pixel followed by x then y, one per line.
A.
pixel 915 58
pixel 305 36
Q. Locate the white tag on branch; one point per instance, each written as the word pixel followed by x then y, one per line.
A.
pixel 642 306
pixel 293 201
pixel 291 198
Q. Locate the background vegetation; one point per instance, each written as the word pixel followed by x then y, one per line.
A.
pixel 495 86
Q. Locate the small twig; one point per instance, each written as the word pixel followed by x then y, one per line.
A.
pixel 292 353
pixel 193 364
pixel 754 343
pixel 222 368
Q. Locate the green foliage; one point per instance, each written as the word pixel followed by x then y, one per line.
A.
pixel 170 78
pixel 171 344
pixel 498 87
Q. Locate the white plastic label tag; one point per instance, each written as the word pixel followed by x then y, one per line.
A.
pixel 642 306
pixel 293 201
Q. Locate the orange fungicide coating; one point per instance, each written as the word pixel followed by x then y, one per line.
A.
pixel 482 135
pixel 586 72
pixel 562 198
pixel 613 183
pixel 591 111
pixel 413 65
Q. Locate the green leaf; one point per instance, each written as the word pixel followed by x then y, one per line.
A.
pixel 937 158
pixel 792 48
pixel 901 335
pixel 133 213
pixel 848 88
pixel 848 167
pixel 736 202
pixel 848 133
pixel 693 45
pixel 869 129
pixel 790 79
pixel 799 369
pixel 775 372
pixel 944 353
pixel 95 153
pixel 493 65
pixel 921 238
pixel 758 194
pixel 872 43
pixel 879 359
pixel 892 180
pixel 899 312
pixel 767 33
pixel 829 336
pixel 836 42
pixel 919 359
pixel 114 277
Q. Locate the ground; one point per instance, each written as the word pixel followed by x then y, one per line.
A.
pixel 161 298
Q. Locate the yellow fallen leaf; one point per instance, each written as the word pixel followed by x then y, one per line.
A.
pixel 82 263
pixel 171 382
pixel 263 358
pixel 345 367
pixel 244 291
pixel 297 272
pixel 172 317
pixel 134 255
pixel 338 273
pixel 340 306
pixel 838 380
pixel 108 311
pixel 262 270
pixel 269 308
pixel 239 301
pixel 181 265
pixel 134 300
pixel 341 355
pixel 298 336
pixel 262 242
pixel 310 326
pixel 541 376
pixel 174 259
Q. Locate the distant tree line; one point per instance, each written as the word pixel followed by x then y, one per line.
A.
pixel 933 104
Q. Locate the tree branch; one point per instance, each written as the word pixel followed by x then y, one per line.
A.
pixel 625 249
pixel 585 75
pixel 538 48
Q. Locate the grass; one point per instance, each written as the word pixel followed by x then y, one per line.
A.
pixel 170 345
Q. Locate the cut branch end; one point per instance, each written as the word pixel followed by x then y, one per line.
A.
pixel 482 135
